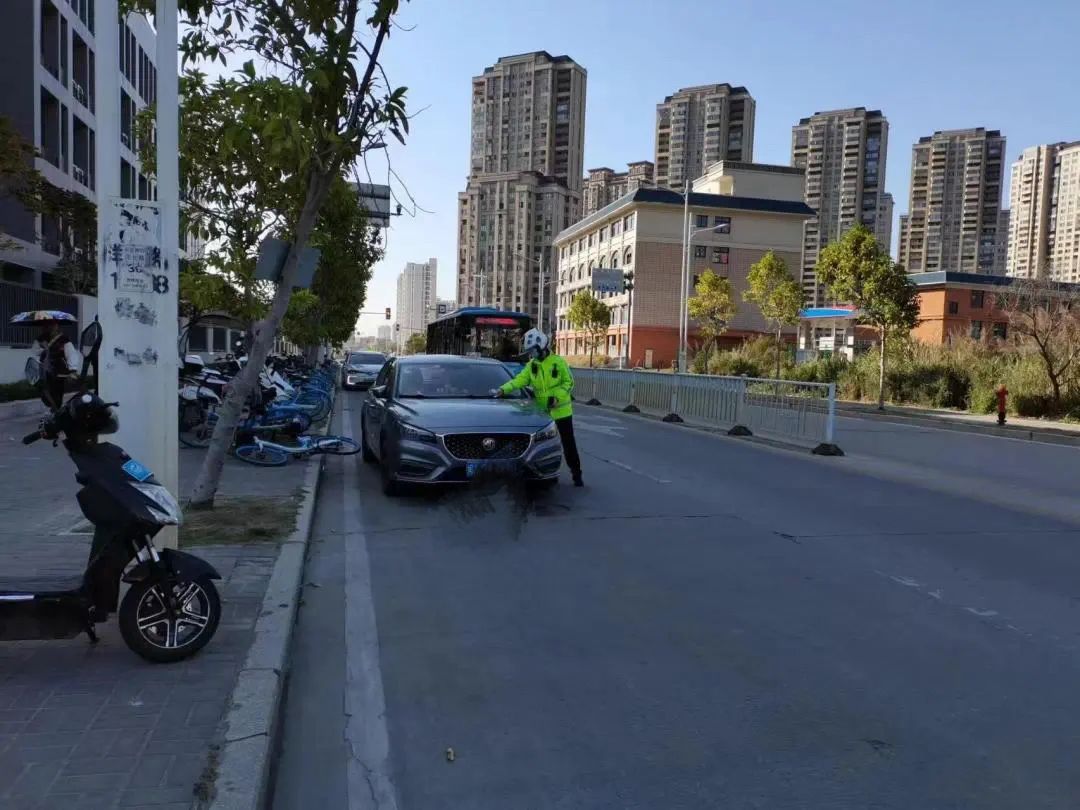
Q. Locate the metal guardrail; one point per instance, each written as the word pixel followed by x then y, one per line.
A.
pixel 801 413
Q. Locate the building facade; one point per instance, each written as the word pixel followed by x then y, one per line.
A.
pixel 643 232
pixel 698 126
pixel 603 186
pixel 48 64
pixel 960 306
pixel 954 203
pixel 416 302
pixel 843 154
pixel 1001 246
pixel 525 177
pixel 1044 226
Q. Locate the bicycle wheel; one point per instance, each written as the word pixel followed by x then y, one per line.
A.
pixel 262 456
pixel 337 445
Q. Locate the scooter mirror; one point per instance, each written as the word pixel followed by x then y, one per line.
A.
pixel 90 339
pixel 32 371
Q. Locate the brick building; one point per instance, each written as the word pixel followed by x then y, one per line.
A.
pixel 959 305
pixel 643 232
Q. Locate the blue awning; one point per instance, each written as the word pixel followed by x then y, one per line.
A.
pixel 824 313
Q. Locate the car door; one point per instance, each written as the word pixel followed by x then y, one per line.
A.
pixel 375 407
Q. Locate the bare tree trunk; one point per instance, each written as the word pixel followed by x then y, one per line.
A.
pixel 779 326
pixel 202 494
pixel 881 373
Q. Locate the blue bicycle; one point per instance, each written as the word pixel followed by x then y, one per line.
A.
pixel 270 454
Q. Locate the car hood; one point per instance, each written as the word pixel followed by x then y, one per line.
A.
pixel 473 414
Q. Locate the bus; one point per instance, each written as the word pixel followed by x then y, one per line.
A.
pixel 480 332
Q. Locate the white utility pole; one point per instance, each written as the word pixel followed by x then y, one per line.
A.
pixel 684 277
pixel 138 268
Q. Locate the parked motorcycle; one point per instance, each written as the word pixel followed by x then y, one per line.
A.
pixel 171 609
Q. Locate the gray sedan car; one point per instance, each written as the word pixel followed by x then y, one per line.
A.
pixel 360 369
pixel 432 419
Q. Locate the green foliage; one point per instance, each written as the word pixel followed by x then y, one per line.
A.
pixel 777 294
pixel 712 305
pixel 590 315
pixel 416 344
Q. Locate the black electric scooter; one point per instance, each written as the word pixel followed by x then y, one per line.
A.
pixel 171 609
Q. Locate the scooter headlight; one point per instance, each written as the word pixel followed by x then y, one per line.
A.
pixel 164 506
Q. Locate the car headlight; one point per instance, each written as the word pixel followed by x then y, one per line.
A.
pixel 415 434
pixel 547 434
pixel 164 507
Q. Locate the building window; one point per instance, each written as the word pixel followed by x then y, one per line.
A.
pixel 700 251
pixel 590 239
pixel 615 228
pixel 614 260
pixel 628 257
pixel 1001 330
pixel 977 299
pixel 702 220
pixel 722 224
pixel 603 233
pixel 720 255
pixel 954 307
pixel 976 329
pixel 628 222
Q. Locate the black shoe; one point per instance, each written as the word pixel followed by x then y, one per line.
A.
pixel 577 480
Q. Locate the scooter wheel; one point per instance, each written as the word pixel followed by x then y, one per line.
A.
pixel 165 621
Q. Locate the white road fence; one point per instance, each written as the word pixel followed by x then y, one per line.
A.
pixel 801 413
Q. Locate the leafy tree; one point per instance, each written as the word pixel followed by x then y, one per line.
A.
pixel 777 294
pixel 1045 314
pixel 260 154
pixel 859 272
pixel 592 316
pixel 416 344
pixel 18 177
pixel 713 306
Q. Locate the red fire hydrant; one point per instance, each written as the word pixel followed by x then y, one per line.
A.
pixel 1002 393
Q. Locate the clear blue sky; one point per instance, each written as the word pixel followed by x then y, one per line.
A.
pixel 927 64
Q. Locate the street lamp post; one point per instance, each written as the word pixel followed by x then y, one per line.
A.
pixel 545 281
pixel 628 285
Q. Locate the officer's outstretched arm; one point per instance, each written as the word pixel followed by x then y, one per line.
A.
pixel 520 381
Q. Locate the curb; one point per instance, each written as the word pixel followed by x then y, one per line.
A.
pixel 251 720
pixel 1043 435
pixel 21 408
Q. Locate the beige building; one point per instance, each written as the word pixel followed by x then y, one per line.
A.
pixel 603 186
pixel 698 126
pixel 756 208
pixel 955 202
pixel 415 299
pixel 843 155
pixel 525 170
pixel 1044 227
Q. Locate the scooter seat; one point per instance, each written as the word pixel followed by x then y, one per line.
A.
pixel 56 583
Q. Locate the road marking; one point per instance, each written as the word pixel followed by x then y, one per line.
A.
pixel 369 785
pixel 626 467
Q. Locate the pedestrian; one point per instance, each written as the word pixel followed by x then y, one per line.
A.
pixel 548 375
pixel 60 361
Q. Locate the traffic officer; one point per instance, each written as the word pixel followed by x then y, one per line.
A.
pixel 549 377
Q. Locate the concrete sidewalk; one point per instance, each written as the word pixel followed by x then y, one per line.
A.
pixel 95 726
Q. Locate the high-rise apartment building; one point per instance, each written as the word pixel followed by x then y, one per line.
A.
pixel 955 202
pixel 1001 246
pixel 603 186
pixel 843 153
pixel 48 64
pixel 698 126
pixel 525 177
pixel 1044 224
pixel 415 299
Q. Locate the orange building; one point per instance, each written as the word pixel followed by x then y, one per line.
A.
pixel 960 305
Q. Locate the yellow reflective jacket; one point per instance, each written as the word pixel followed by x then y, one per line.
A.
pixel 549 378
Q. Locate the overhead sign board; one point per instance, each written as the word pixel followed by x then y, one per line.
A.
pixel 606 280
pixel 376 200
pixel 271 261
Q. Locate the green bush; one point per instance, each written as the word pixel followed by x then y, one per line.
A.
pixel 12 392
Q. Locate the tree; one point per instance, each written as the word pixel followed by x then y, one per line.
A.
pixel 261 154
pixel 859 272
pixel 416 344
pixel 777 294
pixel 1045 314
pixel 713 306
pixel 18 177
pixel 590 315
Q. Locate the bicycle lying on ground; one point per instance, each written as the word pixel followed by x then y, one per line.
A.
pixel 269 454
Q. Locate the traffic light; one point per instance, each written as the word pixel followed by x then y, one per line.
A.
pixel 388 313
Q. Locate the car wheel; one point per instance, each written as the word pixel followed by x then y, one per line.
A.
pixel 365 448
pixel 391 487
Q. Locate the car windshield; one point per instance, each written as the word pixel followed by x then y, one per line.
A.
pixel 455 380
pixel 369 359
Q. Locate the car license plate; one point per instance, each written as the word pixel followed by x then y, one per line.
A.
pixel 485 469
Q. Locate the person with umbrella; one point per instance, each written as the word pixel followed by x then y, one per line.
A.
pixel 60 360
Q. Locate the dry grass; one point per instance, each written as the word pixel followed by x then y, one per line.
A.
pixel 260 519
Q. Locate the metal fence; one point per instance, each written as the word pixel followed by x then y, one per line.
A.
pixel 14 298
pixel 797 412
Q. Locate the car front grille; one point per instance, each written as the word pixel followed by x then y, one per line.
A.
pixel 470 446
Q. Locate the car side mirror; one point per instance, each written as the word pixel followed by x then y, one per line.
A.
pixel 379 392
pixel 90 339
pixel 32 371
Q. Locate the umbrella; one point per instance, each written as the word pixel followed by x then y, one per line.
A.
pixel 39 315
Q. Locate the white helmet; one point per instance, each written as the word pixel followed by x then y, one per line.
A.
pixel 534 342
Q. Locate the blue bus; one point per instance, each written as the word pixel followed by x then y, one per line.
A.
pixel 480 332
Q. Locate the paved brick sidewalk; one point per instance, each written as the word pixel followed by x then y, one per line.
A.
pixel 94 726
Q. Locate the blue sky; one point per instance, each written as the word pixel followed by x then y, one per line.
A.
pixel 928 65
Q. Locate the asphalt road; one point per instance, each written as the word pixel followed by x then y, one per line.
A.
pixel 710 623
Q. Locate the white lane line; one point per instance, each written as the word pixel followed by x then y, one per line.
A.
pixel 626 467
pixel 369 784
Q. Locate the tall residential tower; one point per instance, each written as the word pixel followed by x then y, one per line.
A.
pixel 698 126
pixel 1044 225
pixel 416 301
pixel 525 177
pixel 843 154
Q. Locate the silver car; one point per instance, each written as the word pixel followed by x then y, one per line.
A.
pixel 360 370
pixel 432 419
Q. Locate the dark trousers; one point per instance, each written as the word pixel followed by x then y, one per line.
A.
pixel 569 444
